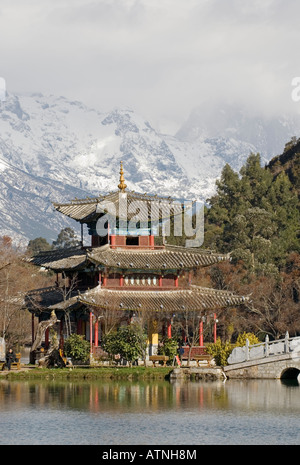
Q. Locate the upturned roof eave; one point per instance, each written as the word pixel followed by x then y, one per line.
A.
pixel 191 300
pixel 86 210
pixel 168 259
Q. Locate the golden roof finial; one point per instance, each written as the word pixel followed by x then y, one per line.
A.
pixel 122 186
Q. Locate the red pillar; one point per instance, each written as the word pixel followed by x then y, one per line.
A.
pixel 47 338
pixel 169 331
pixel 176 281
pixel 91 332
pixel 215 328
pixel 160 281
pixel 201 333
pixel 121 280
pixel 96 332
pixel 113 240
pixel 151 241
pixel 104 280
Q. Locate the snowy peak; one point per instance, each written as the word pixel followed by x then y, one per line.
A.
pixel 55 149
pixel 267 135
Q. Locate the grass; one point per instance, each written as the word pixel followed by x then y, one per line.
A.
pixel 113 373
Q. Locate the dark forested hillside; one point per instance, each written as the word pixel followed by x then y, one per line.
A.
pixel 255 213
pixel 289 163
pixel 255 216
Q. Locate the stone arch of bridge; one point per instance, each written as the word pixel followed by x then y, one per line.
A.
pixel 290 373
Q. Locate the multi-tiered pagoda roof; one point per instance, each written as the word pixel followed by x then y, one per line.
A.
pixel 140 276
pixel 164 258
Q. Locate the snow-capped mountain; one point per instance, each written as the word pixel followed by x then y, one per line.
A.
pixel 26 208
pixel 54 149
pixel 229 122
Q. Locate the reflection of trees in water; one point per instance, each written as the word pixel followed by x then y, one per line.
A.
pixel 156 396
pixel 114 396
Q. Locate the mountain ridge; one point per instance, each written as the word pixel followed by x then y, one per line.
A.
pixel 54 149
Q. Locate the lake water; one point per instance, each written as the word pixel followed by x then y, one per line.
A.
pixel 149 413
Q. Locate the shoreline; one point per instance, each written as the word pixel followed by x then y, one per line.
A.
pixel 109 372
pixel 136 373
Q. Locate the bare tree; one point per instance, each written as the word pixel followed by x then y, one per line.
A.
pixel 140 319
pixel 109 315
pixel 187 323
pixel 66 288
pixel 17 277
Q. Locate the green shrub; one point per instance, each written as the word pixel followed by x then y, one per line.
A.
pixel 128 341
pixel 220 351
pixel 241 340
pixel 77 347
pixel 169 348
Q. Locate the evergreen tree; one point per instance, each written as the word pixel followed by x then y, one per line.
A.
pixel 37 245
pixel 255 216
pixel 255 183
pixel 66 239
pixel 224 206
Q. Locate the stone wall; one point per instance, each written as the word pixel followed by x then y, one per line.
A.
pixel 197 374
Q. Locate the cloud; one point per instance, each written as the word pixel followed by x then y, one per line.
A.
pixel 161 57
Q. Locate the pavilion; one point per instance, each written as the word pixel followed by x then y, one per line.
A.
pixel 123 274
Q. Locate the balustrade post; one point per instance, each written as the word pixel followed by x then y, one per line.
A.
pixel 267 348
pixel 286 343
pixel 247 349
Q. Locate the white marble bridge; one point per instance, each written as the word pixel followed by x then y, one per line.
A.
pixel 268 360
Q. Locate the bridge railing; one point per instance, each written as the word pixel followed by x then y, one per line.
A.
pixel 264 349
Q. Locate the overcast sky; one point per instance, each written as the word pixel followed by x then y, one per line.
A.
pixel 162 58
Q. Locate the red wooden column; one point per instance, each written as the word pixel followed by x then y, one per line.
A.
pixel 176 281
pixel 215 328
pixel 151 241
pixel 47 338
pixel 96 332
pixel 201 333
pixel 91 331
pixel 160 281
pixel 121 280
pixel 113 240
pixel 169 330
